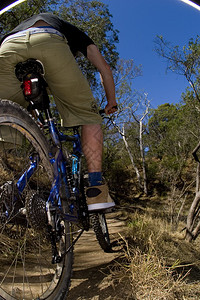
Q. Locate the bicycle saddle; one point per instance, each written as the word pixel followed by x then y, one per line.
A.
pixel 31 65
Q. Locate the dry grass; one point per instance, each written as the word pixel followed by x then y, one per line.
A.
pixel 157 264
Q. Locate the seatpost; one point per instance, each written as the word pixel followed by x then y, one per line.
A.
pixel 48 114
pixel 52 128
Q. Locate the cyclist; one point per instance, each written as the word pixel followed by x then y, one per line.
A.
pixel 55 43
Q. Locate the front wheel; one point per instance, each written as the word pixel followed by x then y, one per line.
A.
pixel 99 225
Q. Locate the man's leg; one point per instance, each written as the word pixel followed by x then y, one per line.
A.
pixel 98 197
pixel 92 144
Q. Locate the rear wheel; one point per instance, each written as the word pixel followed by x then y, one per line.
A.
pixel 26 176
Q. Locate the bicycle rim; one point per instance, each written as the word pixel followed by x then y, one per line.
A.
pixel 25 250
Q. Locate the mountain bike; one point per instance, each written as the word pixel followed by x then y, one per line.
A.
pixel 43 210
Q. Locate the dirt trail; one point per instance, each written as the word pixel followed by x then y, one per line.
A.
pixel 91 277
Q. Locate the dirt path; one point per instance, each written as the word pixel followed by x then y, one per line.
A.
pixel 91 277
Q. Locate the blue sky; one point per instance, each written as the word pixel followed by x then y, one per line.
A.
pixel 139 21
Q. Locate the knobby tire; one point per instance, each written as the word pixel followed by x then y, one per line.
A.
pixel 25 252
pixel 99 225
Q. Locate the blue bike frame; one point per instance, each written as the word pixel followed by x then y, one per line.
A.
pixel 60 171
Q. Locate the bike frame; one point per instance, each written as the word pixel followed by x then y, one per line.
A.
pixel 61 175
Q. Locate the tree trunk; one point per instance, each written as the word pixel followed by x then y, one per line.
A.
pixel 197 178
pixel 143 158
pixel 192 231
pixel 131 158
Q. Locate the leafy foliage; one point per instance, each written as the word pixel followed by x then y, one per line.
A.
pixel 183 61
pixel 21 12
pixel 94 18
pixel 171 140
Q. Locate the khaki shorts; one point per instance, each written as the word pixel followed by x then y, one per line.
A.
pixel 70 89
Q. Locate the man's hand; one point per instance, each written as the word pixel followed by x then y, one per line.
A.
pixel 111 108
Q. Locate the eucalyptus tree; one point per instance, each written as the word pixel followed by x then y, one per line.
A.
pixel 133 108
pixel 186 61
pixel 182 60
pixel 171 140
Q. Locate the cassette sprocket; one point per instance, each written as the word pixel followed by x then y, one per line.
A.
pixel 36 212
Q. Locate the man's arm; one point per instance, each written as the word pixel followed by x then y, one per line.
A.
pixel 95 57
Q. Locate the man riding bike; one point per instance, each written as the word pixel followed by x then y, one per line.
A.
pixel 55 43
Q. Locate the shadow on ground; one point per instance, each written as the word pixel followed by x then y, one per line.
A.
pixel 97 284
